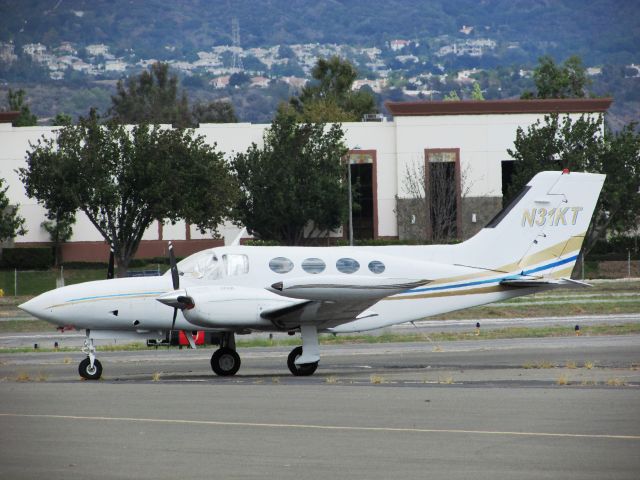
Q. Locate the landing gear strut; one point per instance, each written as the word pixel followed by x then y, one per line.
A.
pixel 225 361
pixel 90 368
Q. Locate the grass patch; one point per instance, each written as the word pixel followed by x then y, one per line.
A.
pixel 563 380
pixel 330 339
pixel 25 326
pixel 377 380
pixel 616 382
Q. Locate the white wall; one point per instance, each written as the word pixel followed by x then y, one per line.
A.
pixel 483 141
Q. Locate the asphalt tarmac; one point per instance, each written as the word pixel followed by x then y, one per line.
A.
pixel 500 409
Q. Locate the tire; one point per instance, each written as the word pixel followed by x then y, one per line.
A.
pixel 85 371
pixel 225 362
pixel 303 370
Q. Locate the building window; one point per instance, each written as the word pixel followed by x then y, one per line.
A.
pixel 364 188
pixel 442 192
pixel 313 265
pixel 347 265
pixel 281 265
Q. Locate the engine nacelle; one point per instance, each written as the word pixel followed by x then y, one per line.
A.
pixel 231 306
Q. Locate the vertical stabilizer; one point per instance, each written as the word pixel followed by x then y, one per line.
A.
pixel 541 232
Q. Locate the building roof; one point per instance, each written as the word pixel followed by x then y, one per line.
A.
pixel 493 107
pixel 8 117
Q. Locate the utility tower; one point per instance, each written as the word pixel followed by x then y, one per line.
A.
pixel 235 39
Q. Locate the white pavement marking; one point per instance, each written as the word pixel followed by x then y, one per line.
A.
pixel 323 427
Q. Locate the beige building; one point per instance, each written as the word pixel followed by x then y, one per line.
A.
pixel 460 146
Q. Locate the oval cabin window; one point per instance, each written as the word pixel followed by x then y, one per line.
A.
pixel 313 265
pixel 376 266
pixel 281 265
pixel 347 265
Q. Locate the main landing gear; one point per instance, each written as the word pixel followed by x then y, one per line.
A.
pixel 303 361
pixel 300 370
pixel 225 361
pixel 90 368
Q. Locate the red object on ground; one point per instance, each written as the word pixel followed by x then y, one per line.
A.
pixel 198 338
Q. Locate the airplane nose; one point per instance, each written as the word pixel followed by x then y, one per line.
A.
pixel 32 307
pixel 39 307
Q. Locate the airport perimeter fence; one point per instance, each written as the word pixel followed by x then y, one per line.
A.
pixel 15 282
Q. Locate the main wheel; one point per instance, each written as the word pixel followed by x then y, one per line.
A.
pixel 225 362
pixel 88 373
pixel 300 370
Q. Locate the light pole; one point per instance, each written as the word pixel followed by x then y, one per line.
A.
pixel 350 202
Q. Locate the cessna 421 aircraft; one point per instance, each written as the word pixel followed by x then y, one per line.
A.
pixel 530 246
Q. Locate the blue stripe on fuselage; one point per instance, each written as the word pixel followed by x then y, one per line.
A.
pixel 491 280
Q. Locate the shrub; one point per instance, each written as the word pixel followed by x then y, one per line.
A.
pixel 40 258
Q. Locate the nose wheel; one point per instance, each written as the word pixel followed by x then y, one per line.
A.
pixel 89 372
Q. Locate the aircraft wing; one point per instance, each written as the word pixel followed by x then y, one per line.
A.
pixel 332 301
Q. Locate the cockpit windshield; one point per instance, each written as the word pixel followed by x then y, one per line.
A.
pixel 208 266
pixel 205 265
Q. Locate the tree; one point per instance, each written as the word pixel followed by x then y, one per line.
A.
pixel 151 97
pixel 217 111
pixel 476 94
pixel 59 226
pixel 11 224
pixel 123 180
pixel 296 181
pixel 330 93
pixel 554 81
pixel 17 104
pixel 452 96
pixel 580 145
pixel 239 79
pixel 62 119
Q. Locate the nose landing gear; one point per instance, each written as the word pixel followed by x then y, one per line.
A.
pixel 90 368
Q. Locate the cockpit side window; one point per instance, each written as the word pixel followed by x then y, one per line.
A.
pixel 203 265
pixel 235 264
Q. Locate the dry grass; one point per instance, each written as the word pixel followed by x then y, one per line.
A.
pixel 66 360
pixel 42 377
pixel 275 379
pixel 588 383
pixel 570 364
pixel 446 380
pixel 155 377
pixel 23 377
pixel 377 379
pixel 589 365
pixel 563 380
pixel 437 348
pixel 616 382
pixel 331 380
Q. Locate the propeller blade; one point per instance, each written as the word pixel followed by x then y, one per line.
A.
pixel 175 277
pixel 110 270
pixel 175 314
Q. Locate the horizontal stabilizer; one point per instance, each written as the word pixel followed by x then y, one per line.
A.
pixel 525 282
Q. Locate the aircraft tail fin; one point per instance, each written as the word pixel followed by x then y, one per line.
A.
pixel 541 232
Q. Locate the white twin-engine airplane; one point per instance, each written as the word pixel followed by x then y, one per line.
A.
pixel 530 246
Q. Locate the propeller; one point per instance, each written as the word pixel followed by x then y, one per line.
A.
pixel 110 270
